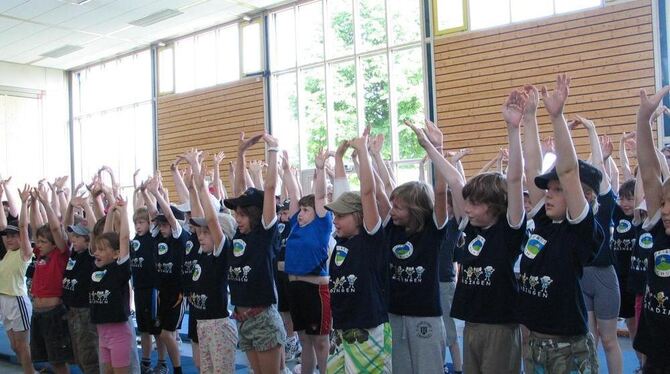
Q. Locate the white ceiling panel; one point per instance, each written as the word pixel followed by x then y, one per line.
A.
pixel 6 23
pixel 33 9
pixel 69 11
pixel 9 4
pixel 19 32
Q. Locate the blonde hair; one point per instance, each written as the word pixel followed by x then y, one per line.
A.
pixel 417 196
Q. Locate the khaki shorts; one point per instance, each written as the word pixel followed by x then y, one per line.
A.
pixel 262 332
pixel 489 348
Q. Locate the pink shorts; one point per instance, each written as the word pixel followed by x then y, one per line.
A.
pixel 114 340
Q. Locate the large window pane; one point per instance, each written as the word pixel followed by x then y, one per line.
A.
pixel 406 172
pixel 405 21
pixel 371 28
pixel 228 52
pixel 376 96
pixel 487 13
pixel 312 104
pixel 408 81
pixel 310 33
pixel 285 115
pixel 450 14
pixel 528 9
pixel 205 60
pixel 342 88
pixel 251 48
pixel 340 28
pixel 184 53
pixel 563 6
pixel 166 70
pixel 284 38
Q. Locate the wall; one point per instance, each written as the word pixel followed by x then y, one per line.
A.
pixel 608 53
pixel 211 120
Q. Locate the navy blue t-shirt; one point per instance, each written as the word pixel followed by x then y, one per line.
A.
pixel 623 242
pixel 109 295
pixel 170 259
pixel 143 261
pixel 414 287
pixel 639 259
pixel 250 275
pixel 357 281
pixel 605 256
pixel 191 257
pixel 77 279
pixel 284 229
pixel 653 337
pixel 550 297
pixel 208 295
pixel 446 256
pixel 487 288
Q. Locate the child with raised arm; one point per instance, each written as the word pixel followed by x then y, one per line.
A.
pixel 250 275
pixel 565 239
pixel 654 324
pixel 15 306
pixel 109 294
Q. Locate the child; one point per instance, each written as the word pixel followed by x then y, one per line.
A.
pixel 109 295
pixel 654 325
pixel 565 239
pixel 15 306
pixel 250 279
pixel 362 336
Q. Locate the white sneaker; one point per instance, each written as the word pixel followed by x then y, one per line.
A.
pixel 297 369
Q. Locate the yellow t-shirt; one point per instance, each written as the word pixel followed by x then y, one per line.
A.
pixel 13 273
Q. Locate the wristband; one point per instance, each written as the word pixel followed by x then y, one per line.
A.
pixel 273 149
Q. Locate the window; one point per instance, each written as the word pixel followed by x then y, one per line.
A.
pixel 338 65
pixel 112 118
pixel 251 48
pixel 459 15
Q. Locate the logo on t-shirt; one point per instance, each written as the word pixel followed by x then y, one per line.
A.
pixel 530 283
pixel 476 245
pixel 239 274
pixel 70 264
pixel 239 246
pixel 662 263
pixel 407 274
pixel 638 264
pixel 196 272
pixel 340 254
pixel 473 275
pixel 403 251
pixel 343 284
pixel 99 297
pixel 69 284
pixel 624 226
pixel 655 302
pixel 646 241
pixel 162 249
pixel 189 246
pixel 534 245
pixel 98 275
pixel 136 262
pixel 198 301
pixel 281 227
pixel 136 245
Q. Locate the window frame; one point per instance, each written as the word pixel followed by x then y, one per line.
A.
pixel 466 20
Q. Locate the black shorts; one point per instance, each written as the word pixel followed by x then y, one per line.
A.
pixel 310 307
pixel 192 327
pixel 50 336
pixel 283 303
pixel 146 305
pixel 170 310
pixel 627 307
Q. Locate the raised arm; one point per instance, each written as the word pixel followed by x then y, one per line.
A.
pixel 152 186
pixel 489 164
pixel 124 228
pixel 291 185
pixel 59 235
pixel 531 145
pixel 219 189
pixel 61 194
pixel 13 203
pixel 3 217
pixel 269 204
pixel 178 179
pixel 376 144
pixel 320 183
pixel 256 172
pixel 340 182
pixel 24 237
pixel 240 167
pixel 567 166
pixel 371 216
pixel 626 139
pixel 512 111
pixel 596 152
pixel 456 158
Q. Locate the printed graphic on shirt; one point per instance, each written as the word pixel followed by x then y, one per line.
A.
pixel 403 251
pixel 198 301
pixel 623 245
pixel 136 262
pixel 162 248
pixel 189 266
pixel 638 264
pixel 662 263
pixel 407 274
pixel 656 302
pixel 340 254
pixel 529 285
pixel 477 276
pixel 69 284
pixel 424 330
pixel 189 246
pixel 70 264
pixel 281 227
pixel 135 245
pixel 196 272
pixel 476 245
pixel 646 241
pixel 99 297
pixel 239 274
pixel 344 284
pixel 624 226
pixel 165 268
pixel 239 246
pixel 534 246
pixel 98 275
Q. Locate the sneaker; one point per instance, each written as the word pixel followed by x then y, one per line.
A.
pixel 146 369
pixel 297 369
pixel 161 369
pixel 293 348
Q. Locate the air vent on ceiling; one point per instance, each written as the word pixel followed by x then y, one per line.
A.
pixel 155 17
pixel 62 51
pixel 75 2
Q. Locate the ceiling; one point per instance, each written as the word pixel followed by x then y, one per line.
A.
pixel 99 29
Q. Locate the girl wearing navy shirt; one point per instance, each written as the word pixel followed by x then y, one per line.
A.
pixel 109 294
pixel 654 325
pixel 565 239
pixel 362 342
pixel 249 263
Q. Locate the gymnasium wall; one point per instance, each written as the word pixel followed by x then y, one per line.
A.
pixel 210 119
pixel 608 53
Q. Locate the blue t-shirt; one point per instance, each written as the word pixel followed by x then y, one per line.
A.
pixel 446 257
pixel 487 288
pixel 250 274
pixel 414 285
pixel 307 246
pixel 552 261
pixel 605 256
pixel 357 281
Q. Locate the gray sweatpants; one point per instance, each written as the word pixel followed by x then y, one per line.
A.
pixel 419 344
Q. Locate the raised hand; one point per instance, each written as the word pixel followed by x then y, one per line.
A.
pixel 434 134
pixel 376 143
pixel 25 194
pixel 503 154
pixel 244 143
pixel 60 182
pixel 270 140
pixel 661 109
pixel 78 201
pixel 421 135
pixel 152 185
pixel 606 146
pixel 533 100
pixel 586 123
pixel 360 144
pixel 555 101
pixel 649 104
pixel 218 158
pixel 341 149
pixel 514 107
pixel 547 145
pixel 320 158
pixel 458 155
pixel 284 160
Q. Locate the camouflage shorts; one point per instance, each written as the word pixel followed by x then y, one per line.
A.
pixel 262 332
pixel 569 355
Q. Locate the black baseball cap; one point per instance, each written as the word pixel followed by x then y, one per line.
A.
pixel 588 175
pixel 250 197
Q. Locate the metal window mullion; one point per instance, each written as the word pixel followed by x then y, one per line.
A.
pixel 392 104
pixel 330 115
pixel 360 99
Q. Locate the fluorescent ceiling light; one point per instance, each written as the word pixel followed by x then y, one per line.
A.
pixel 155 17
pixel 62 51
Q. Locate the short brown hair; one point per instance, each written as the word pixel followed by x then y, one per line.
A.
pixel 307 201
pixel 45 232
pixel 141 214
pixel 489 189
pixel 254 213
pixel 417 196
pixel 109 238
pixel 627 189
